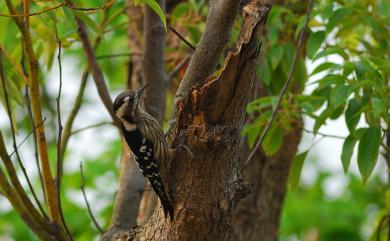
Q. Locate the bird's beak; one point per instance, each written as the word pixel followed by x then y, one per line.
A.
pixel 140 91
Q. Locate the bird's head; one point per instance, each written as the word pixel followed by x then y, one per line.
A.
pixel 127 102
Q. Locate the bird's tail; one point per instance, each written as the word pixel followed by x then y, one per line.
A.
pixel 166 204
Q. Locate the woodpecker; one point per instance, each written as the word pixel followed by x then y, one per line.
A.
pixel 146 140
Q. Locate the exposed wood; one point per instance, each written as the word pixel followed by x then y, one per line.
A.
pixel 220 19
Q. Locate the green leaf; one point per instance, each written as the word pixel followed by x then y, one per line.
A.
pixel 310 103
pixel 275 54
pixel 337 112
pixel 288 56
pixel 263 71
pixel 195 33
pixel 261 103
pixel 331 79
pixel 13 93
pixel 325 66
pixel 320 120
pixel 336 18
pixel 251 132
pixel 314 43
pixel 364 69
pixel 296 169
pixel 157 9
pixel 180 10
pixel 346 154
pixel 385 69
pixel 377 106
pixel 272 141
pixel 87 20
pixel 330 51
pixel 348 68
pixel 339 95
pixel 273 35
pixel 368 151
pixel 352 114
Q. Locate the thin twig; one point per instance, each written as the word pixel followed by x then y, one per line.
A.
pixel 83 82
pixel 95 68
pixel 60 127
pixel 59 137
pixel 117 55
pixel 91 126
pixel 33 14
pixel 2 77
pixel 87 203
pixel 27 136
pixel 182 38
pixel 178 67
pixel 64 4
pixel 324 135
pixel 285 86
pixel 106 5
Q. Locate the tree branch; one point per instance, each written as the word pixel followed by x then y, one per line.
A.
pixel 153 71
pixel 220 20
pixel 49 186
pixel 23 212
pixel 25 138
pixel 59 137
pixel 95 69
pixel 90 127
pixel 12 124
pixel 178 67
pixel 20 193
pixel 116 55
pixel 182 38
pixel 64 4
pixel 67 132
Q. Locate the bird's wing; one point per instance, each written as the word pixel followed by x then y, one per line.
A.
pixel 152 131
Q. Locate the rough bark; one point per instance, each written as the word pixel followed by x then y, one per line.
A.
pixel 206 188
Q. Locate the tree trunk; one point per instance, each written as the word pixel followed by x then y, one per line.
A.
pixel 205 188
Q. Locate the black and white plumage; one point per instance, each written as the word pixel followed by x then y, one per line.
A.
pixel 145 139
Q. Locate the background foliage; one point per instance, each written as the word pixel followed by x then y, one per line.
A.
pixel 345 75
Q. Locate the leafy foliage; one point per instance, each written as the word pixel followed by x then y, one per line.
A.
pixel 311 214
pixel 348 43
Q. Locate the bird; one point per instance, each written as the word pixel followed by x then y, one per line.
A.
pixel 146 140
